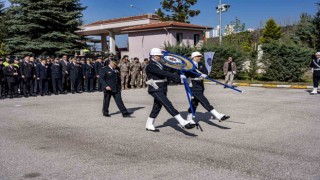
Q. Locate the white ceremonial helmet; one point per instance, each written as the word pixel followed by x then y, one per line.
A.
pixel 317 54
pixel 156 52
pixel 195 54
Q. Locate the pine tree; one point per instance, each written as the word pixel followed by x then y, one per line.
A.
pixel 179 10
pixel 316 23
pixel 305 30
pixel 3 29
pixel 237 26
pixel 44 27
pixel 271 31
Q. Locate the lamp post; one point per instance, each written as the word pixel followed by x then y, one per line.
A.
pixel 133 6
pixel 221 8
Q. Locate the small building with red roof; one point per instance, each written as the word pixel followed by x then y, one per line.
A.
pixel 144 33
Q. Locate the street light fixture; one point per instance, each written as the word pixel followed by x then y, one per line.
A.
pixel 133 6
pixel 221 8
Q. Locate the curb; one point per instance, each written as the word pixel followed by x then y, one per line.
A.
pixel 268 85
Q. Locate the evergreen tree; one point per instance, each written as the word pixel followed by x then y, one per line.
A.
pixel 44 27
pixel 237 26
pixel 305 30
pixel 3 29
pixel 271 31
pixel 285 62
pixel 179 10
pixel 316 23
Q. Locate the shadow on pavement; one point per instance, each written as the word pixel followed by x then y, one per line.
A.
pixel 129 109
pixel 172 122
pixel 204 117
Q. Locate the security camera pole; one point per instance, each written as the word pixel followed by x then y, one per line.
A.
pixel 221 8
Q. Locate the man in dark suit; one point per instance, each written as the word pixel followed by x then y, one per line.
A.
pixel 197 88
pixel 97 69
pixel 88 75
pixel 43 76
pixel 111 83
pixel 74 75
pixel 65 73
pixel 56 75
pixel 27 74
pixel 158 87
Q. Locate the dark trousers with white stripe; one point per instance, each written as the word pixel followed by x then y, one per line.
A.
pixel 316 81
pixel 161 99
pixel 199 97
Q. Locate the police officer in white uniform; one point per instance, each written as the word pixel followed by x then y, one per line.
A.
pixel 197 88
pixel 158 87
pixel 315 65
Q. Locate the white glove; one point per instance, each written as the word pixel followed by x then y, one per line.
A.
pixel 182 77
pixel 204 76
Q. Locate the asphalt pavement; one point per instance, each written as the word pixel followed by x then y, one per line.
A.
pixel 272 134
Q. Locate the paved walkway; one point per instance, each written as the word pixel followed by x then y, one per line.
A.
pixel 272 134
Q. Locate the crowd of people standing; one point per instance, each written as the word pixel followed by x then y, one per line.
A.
pixel 32 76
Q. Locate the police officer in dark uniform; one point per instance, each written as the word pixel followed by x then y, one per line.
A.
pixel 27 73
pixel 88 75
pixel 80 75
pixel 43 76
pixel 56 75
pixel 111 83
pixel 315 65
pixel 74 75
pixel 158 87
pixel 97 69
pixel 12 74
pixel 197 88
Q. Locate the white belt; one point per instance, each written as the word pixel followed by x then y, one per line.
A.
pixel 196 79
pixel 160 81
pixel 318 69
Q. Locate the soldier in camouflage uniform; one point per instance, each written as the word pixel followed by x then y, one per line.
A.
pixel 124 71
pixel 135 70
pixel 144 75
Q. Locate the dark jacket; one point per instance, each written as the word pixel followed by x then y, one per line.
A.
pixel 88 70
pixel 27 69
pixel 97 68
pixel 197 85
pixel 65 67
pixel 156 72
pixel 9 72
pixel 56 71
pixel 111 78
pixel 74 71
pixel 42 71
pixel 316 67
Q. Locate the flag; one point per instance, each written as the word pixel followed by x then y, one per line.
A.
pixel 208 57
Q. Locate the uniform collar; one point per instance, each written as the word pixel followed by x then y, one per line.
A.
pixel 196 63
pixel 157 63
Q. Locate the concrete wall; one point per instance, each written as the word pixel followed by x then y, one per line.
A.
pixel 140 43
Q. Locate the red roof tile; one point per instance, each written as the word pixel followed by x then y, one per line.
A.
pixel 165 24
pixel 131 18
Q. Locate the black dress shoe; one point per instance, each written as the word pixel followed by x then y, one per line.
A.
pixel 224 118
pixel 155 130
pixel 106 115
pixel 189 126
pixel 127 114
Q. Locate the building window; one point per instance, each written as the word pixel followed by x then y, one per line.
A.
pixel 179 38
pixel 196 39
